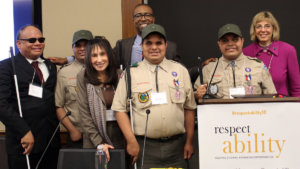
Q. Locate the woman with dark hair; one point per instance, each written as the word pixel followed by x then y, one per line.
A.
pixel 280 58
pixel 96 87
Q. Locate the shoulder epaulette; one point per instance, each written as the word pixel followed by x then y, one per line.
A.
pixel 65 65
pixel 254 58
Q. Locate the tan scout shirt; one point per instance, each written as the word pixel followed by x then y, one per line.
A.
pixel 165 120
pixel 249 73
pixel 66 91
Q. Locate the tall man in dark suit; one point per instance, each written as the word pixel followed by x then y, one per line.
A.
pixel 36 80
pixel 130 50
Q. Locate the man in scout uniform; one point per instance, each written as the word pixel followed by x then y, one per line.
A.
pixel 66 89
pixel 236 74
pixel 162 87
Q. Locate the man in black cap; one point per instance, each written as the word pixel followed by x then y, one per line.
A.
pixel 163 88
pixel 236 74
pixel 66 89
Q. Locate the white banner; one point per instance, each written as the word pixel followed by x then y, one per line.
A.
pixel 249 136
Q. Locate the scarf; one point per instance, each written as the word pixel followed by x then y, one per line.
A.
pixel 97 110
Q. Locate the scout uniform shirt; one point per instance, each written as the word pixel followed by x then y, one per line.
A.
pixel 165 119
pixel 251 75
pixel 66 91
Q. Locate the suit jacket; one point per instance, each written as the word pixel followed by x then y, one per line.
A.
pixel 39 114
pixel 124 46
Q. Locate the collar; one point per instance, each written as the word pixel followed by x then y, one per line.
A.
pixel 79 63
pixel 239 61
pixel 162 65
pixel 40 60
pixel 273 48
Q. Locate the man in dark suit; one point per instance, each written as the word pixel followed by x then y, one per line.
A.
pixel 129 50
pixel 36 80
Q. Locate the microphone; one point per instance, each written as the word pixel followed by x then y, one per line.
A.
pixel 145 137
pixel 200 70
pixel 206 95
pixel 67 114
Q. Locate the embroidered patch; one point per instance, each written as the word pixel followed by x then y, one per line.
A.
pixel 248 69
pixel 174 74
pixel 143 97
pixel 122 74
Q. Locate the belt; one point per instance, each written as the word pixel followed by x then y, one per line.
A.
pixel 163 139
pixel 111 123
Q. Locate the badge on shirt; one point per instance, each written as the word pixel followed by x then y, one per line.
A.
pixel 240 90
pixel 159 98
pixel 250 90
pixel 35 91
pixel 174 74
pixel 143 97
pixel 248 69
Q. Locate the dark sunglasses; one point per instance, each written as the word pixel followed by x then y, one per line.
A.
pixel 33 40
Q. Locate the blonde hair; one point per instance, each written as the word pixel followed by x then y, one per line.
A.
pixel 265 16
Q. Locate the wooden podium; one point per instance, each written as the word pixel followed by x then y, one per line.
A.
pixel 249 133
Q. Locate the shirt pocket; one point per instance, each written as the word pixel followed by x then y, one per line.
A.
pixel 177 95
pixel 141 96
pixel 71 91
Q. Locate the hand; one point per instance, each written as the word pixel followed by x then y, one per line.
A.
pixel 188 150
pixel 201 90
pixel 27 142
pixel 75 134
pixel 105 148
pixel 133 150
pixel 58 60
pixel 206 62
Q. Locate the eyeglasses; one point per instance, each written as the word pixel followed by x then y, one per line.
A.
pixel 33 40
pixel 140 15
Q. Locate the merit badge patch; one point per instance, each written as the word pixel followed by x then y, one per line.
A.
pixel 248 69
pixel 143 97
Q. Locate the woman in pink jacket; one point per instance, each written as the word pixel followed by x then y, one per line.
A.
pixel 279 57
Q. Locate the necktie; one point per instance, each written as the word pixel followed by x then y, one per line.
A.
pixel 156 70
pixel 232 64
pixel 38 71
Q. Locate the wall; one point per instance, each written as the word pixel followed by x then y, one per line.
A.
pixel 62 18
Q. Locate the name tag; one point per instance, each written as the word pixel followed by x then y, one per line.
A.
pixel 240 90
pixel 35 91
pixel 159 98
pixel 110 115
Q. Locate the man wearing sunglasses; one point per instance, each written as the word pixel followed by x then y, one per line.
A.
pixel 66 89
pixel 36 76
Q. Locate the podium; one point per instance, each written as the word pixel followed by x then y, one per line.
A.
pixel 249 133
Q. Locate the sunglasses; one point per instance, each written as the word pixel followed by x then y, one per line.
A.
pixel 33 40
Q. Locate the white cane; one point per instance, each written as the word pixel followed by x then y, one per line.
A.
pixel 18 95
pixel 130 100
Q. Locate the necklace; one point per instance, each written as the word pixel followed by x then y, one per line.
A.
pixel 269 66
